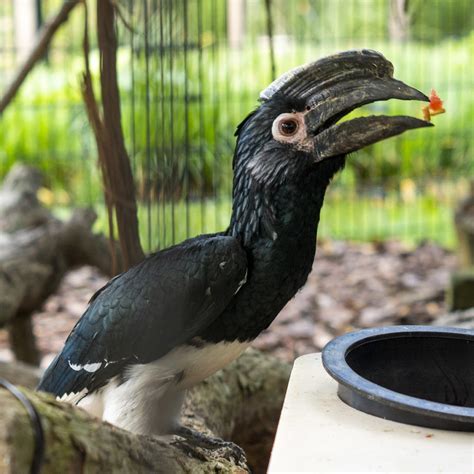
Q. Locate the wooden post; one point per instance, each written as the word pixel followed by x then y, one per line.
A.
pixel 37 51
pixel 399 20
pixel 235 22
pixel 25 17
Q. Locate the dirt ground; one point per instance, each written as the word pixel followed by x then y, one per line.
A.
pixel 353 285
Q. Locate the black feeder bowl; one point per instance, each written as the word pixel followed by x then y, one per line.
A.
pixel 418 375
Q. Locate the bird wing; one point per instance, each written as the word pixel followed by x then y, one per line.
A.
pixel 145 312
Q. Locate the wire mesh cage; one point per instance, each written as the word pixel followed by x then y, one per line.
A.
pixel 191 70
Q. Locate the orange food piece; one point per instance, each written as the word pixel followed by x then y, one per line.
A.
pixel 426 113
pixel 435 106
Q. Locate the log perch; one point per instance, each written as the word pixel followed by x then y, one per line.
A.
pixel 241 403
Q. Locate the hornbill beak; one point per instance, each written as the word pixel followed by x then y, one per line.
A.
pixel 334 86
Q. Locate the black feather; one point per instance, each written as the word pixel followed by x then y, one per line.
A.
pixel 143 313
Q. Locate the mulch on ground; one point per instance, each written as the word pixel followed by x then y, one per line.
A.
pixel 352 285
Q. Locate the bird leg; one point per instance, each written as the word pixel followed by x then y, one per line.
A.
pixel 197 439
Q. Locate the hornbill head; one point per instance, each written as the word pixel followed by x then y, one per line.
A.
pixel 296 126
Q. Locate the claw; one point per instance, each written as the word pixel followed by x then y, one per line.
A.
pixel 200 440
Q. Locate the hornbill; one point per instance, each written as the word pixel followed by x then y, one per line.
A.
pixel 187 311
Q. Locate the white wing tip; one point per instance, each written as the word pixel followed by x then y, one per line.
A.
pixel 89 367
pixel 73 398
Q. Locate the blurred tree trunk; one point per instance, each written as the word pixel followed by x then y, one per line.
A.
pixel 399 20
pixel 241 402
pixel 235 23
pixel 464 224
pixel 22 339
pixel 460 294
pixel 119 186
pixel 36 250
pixel 25 25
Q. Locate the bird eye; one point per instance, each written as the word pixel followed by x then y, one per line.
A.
pixel 288 127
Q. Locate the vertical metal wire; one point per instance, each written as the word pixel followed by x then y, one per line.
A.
pixel 131 12
pixel 229 104
pixel 147 124
pixel 201 117
pixel 186 116
pixel 228 79
pixel 269 14
pixel 215 114
pixel 157 149
pixel 171 99
pixel 162 120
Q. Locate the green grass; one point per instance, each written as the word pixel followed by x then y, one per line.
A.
pixel 345 215
pixel 46 126
pixel 366 219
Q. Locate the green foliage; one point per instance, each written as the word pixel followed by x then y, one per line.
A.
pixel 179 131
pixel 180 109
pixel 351 216
pixel 348 214
pixel 336 21
pixel 438 19
pixel 323 21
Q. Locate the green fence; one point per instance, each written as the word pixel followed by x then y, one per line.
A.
pixel 190 70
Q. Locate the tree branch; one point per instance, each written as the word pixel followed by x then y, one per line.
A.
pixel 119 187
pixel 241 403
pixel 36 250
pixel 44 39
pixel 120 184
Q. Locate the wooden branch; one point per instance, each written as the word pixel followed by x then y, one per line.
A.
pixel 22 339
pixel 33 261
pixel 44 39
pixel 95 120
pixel 19 373
pixel 116 167
pixel 36 250
pixel 119 187
pixel 242 402
pixel 32 265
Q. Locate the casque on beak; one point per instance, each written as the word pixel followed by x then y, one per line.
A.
pixel 334 86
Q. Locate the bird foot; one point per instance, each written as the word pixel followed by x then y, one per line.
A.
pixel 225 448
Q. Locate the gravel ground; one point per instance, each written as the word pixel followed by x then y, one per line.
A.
pixel 356 286
pixel 351 286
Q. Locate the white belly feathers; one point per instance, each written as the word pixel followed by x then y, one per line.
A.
pixel 150 400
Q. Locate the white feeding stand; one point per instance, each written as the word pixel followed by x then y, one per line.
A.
pixel 320 433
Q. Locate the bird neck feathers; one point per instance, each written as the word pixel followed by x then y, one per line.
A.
pixel 275 207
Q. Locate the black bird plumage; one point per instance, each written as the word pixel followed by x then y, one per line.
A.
pixel 187 311
pixel 192 282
